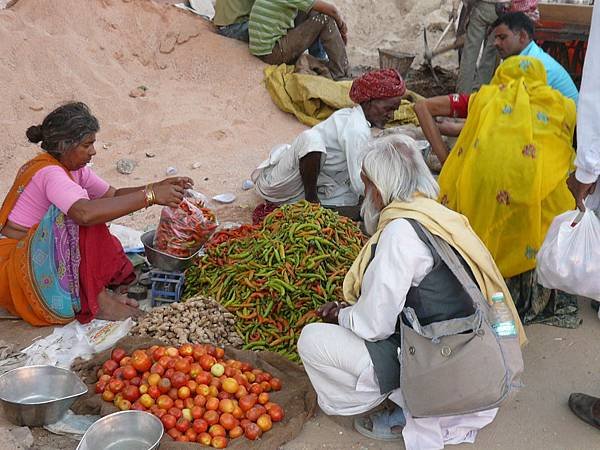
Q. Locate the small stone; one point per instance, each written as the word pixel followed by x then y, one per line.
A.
pixel 105 146
pixel 171 171
pixel 205 178
pixel 196 165
pixel 247 185
pixel 125 166
pixel 139 91
pixel 150 155
pixel 36 107
pixel 227 197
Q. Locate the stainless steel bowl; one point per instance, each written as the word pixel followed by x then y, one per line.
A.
pixel 125 430
pixel 39 395
pixel 164 261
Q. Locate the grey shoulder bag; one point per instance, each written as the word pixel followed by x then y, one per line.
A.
pixel 456 366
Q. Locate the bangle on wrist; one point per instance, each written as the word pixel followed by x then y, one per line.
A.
pixel 150 196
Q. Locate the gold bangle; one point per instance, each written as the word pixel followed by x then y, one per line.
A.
pixel 152 194
pixel 149 194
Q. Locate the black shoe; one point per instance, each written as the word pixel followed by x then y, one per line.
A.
pixel 583 407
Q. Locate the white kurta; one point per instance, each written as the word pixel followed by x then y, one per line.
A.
pixel 588 112
pixel 338 362
pixel 341 139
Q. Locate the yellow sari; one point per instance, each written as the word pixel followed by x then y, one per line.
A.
pixel 508 169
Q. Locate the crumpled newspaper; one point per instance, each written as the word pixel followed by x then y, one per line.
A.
pixel 10 358
pixel 75 340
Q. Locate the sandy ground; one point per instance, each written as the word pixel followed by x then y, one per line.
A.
pixel 205 103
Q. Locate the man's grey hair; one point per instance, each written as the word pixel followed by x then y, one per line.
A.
pixel 396 167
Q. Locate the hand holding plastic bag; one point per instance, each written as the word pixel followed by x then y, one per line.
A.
pixel 183 230
pixel 569 259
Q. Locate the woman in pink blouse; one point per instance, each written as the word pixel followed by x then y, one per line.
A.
pixel 57 257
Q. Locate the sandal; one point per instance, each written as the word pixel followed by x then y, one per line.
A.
pixel 379 425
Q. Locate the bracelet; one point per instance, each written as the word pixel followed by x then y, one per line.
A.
pixel 150 196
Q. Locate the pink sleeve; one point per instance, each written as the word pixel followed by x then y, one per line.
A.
pixel 60 189
pixel 95 186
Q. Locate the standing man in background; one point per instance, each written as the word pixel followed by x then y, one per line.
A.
pixel 583 182
pixel 483 14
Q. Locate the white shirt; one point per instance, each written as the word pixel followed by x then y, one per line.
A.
pixel 342 139
pixel 401 261
pixel 588 113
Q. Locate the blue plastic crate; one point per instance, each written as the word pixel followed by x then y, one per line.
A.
pixel 167 287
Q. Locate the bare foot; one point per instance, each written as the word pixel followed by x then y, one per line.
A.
pixel 127 301
pixel 116 307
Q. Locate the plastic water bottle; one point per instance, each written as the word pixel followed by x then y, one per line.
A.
pixel 501 317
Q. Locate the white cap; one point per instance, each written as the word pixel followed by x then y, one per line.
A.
pixel 498 297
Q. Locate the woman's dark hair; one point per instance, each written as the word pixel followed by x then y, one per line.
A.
pixel 516 22
pixel 64 128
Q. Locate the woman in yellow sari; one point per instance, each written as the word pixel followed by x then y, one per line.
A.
pixel 507 174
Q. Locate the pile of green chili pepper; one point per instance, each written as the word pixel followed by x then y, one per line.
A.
pixel 273 277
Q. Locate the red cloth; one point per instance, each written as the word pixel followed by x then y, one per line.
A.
pixel 103 264
pixel 379 84
pixel 523 5
pixel 459 105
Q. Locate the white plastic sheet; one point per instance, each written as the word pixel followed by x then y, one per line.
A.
pixel 75 340
pixel 569 259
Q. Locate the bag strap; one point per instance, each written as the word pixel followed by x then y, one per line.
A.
pixel 447 255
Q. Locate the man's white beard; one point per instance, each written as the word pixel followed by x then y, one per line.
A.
pixel 370 215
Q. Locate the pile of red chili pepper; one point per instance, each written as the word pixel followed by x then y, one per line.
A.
pixel 274 276
pixel 183 230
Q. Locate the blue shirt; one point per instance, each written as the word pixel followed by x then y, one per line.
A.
pixel 558 77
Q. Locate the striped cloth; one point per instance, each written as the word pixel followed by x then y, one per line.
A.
pixel 270 20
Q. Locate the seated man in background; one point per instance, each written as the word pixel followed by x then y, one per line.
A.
pixel 323 163
pixel 513 36
pixel 352 360
pixel 276 38
pixel 231 18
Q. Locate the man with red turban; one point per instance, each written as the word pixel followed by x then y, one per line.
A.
pixel 323 164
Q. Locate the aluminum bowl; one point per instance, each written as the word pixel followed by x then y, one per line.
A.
pixel 125 430
pixel 34 396
pixel 162 260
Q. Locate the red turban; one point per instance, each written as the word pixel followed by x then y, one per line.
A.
pixel 378 84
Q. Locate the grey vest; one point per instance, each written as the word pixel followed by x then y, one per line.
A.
pixel 439 296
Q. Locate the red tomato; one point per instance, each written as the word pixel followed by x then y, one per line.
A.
pixel 178 379
pixel 141 361
pixel 110 366
pixel 118 354
pixel 200 425
pixel 168 421
pixel 131 393
pixel 182 424
pixel 129 372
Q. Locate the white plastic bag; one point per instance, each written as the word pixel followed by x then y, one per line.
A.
pixel 569 259
pixel 75 340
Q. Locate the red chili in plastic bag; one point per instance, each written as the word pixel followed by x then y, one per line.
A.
pixel 183 230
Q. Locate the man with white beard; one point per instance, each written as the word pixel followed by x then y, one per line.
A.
pixel 350 369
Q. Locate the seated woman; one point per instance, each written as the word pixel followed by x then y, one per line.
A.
pixel 507 174
pixel 57 256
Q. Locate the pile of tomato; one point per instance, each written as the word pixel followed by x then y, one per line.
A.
pixel 197 394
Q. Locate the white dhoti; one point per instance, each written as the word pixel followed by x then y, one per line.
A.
pixel 342 373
